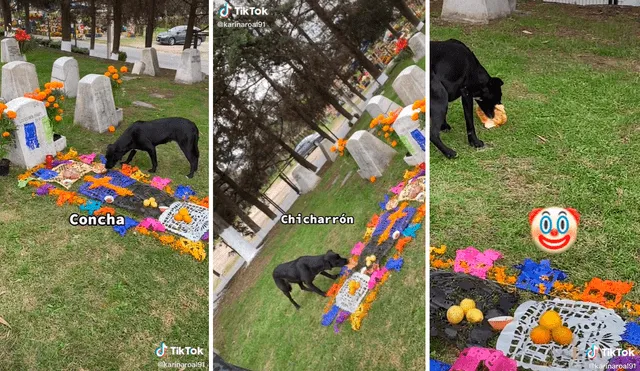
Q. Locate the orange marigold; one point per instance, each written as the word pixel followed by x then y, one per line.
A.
pixel 11 114
pixel 6 134
pixel 58 118
pixel 51 99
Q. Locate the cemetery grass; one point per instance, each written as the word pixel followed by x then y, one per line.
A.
pixel 572 139
pixel 84 297
pixel 256 326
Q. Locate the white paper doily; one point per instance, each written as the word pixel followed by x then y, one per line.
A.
pixel 348 302
pixel 192 231
pixel 590 323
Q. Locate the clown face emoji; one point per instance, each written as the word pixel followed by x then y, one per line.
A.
pixel 554 229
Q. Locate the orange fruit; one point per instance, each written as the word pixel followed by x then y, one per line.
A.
pixel 562 335
pixel 550 319
pixel 178 217
pixel 540 335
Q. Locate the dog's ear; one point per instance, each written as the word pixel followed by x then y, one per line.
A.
pixel 329 252
pixel 496 81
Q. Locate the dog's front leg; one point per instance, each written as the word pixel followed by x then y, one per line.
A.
pixel 467 105
pixel 314 288
pixel 154 159
pixel 332 276
pixel 131 154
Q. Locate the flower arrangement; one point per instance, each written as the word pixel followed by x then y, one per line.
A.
pixel 401 44
pixel 116 75
pixel 53 97
pixel 385 129
pixel 342 143
pixel 22 36
pixel 7 129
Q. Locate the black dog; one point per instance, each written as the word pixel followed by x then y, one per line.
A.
pixel 303 270
pixel 455 73
pixel 146 135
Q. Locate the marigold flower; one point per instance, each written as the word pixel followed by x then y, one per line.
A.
pixel 47 85
pixel 58 118
pixel 115 76
pixel 60 111
pixel 47 104
pixel 56 105
pixel 51 99
pixel 6 134
pixel 394 143
pixel 385 128
pixel 372 179
pixel 415 116
pixel 62 97
pixel 124 69
pixel 386 135
pixel 11 114
pixel 112 129
pixel 119 81
pixel 108 74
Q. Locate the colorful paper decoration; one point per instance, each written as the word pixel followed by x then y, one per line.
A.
pixel 474 262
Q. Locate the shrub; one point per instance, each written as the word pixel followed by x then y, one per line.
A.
pixel 75 49
pixel 122 56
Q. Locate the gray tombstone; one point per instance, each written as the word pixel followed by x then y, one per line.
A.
pixel 417 45
pixel 138 68
pixel 65 70
pixel 34 133
pixel 380 105
pixel 410 84
pixel 150 60
pixel 10 51
pixel 95 107
pixel 325 147
pixel 407 130
pixel 370 153
pixel 190 70
pixel 306 179
pixel 18 78
pixel 476 11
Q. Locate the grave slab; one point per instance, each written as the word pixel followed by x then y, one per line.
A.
pixel 65 70
pixel 380 105
pixel 370 153
pixel 475 11
pixel 150 60
pixel 404 126
pixel 410 84
pixel 18 78
pixel 95 107
pixel 138 68
pixel 417 46
pixel 10 51
pixel 190 70
pixel 306 179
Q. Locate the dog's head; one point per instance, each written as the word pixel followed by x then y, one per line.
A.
pixel 489 96
pixel 113 155
pixel 334 260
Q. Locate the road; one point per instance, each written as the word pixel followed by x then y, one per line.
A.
pixel 168 56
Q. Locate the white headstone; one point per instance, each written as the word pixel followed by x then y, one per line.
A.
pixel 93 53
pixel 411 135
pixel 95 108
pixel 114 56
pixel 416 44
pixel 138 68
pixel 65 46
pixel 190 70
pixel 34 134
pixel 10 51
pixel 65 70
pixel 410 84
pixel 475 11
pixel 380 105
pixel 233 238
pixel 370 153
pixel 150 60
pixel 325 147
pixel 306 179
pixel 18 78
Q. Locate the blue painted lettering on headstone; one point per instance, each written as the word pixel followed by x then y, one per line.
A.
pixel 31 136
pixel 417 135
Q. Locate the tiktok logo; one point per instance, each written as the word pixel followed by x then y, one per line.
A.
pixel 160 351
pixel 593 351
pixel 224 11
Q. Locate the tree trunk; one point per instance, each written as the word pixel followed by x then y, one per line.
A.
pixel 92 44
pixel 296 156
pixel 65 9
pixel 297 109
pixel 229 204
pixel 151 25
pixel 395 33
pixel 6 15
pixel 190 24
pixel 250 198
pixel 117 25
pixel 406 12
pixel 27 23
pixel 354 49
pixel 289 183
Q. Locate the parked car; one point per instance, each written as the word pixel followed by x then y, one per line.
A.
pixel 308 144
pixel 177 35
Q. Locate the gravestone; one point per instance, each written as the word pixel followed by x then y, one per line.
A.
pixel 410 84
pixel 325 147
pixel 150 60
pixel 190 70
pixel 10 51
pixel 370 153
pixel 409 132
pixel 65 70
pixel 18 78
pixel 306 179
pixel 65 46
pixel 95 108
pixel 416 44
pixel 138 68
pixel 34 133
pixel 380 105
pixel 476 11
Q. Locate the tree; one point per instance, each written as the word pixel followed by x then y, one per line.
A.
pixel 406 12
pixel 117 25
pixel 6 14
pixel 252 199
pixel 27 23
pixel 65 10
pixel 92 11
pixel 233 207
pixel 151 24
pixel 193 7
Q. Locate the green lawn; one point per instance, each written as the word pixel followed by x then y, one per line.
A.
pixel 84 297
pixel 572 139
pixel 256 327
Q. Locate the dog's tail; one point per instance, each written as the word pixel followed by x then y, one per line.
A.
pixel 282 284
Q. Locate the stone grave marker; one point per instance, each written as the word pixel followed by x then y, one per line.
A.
pixel 410 84
pixel 306 179
pixel 150 60
pixel 95 107
pixel 65 46
pixel 417 44
pixel 138 68
pixel 410 132
pixel 325 147
pixel 190 70
pixel 34 133
pixel 65 70
pixel 476 11
pixel 379 105
pixel 370 153
pixel 18 78
pixel 10 51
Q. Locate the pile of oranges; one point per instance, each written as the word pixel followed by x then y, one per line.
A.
pixel 549 328
pixel 183 216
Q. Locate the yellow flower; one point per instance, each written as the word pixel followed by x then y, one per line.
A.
pixel 51 99
pixel 58 118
